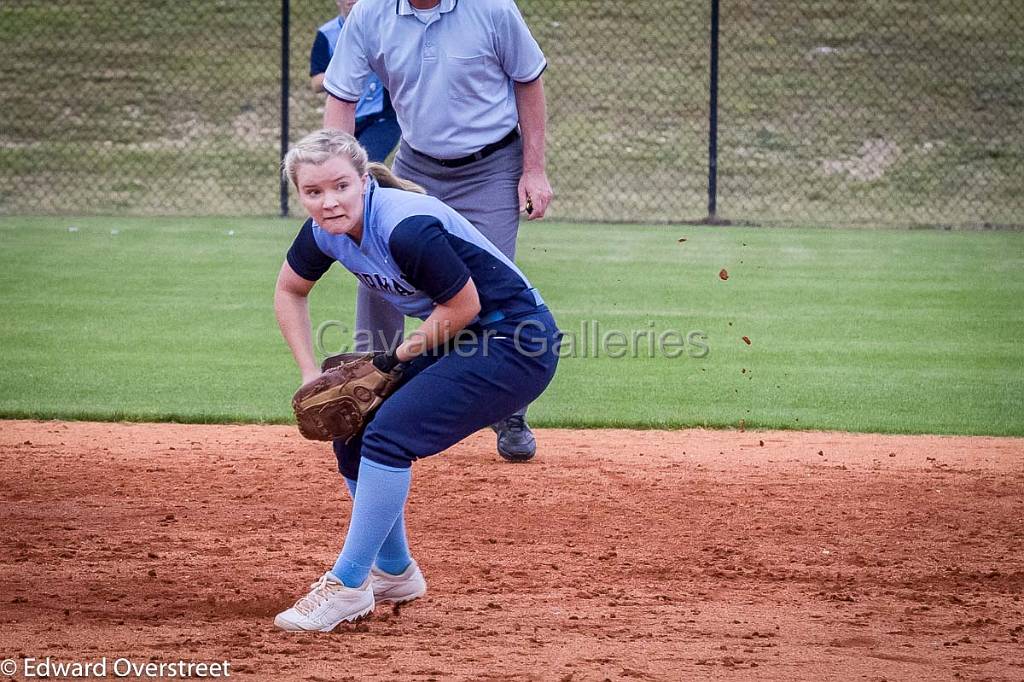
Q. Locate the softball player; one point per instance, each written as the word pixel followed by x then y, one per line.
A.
pixel 431 263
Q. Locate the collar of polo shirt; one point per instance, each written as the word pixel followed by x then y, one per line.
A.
pixel 404 7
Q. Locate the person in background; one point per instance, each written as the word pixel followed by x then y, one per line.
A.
pixel 466 78
pixel 376 126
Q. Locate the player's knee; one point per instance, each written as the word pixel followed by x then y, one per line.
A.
pixel 390 447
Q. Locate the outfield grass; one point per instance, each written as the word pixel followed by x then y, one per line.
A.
pixel 888 331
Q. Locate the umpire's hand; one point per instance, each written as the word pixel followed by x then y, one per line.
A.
pixel 534 194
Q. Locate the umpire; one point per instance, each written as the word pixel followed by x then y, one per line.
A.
pixel 465 81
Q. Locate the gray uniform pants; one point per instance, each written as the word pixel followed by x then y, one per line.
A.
pixel 484 192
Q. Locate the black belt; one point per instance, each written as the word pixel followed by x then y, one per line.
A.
pixel 484 152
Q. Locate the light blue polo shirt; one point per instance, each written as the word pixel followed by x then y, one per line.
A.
pixel 451 79
pixel 372 99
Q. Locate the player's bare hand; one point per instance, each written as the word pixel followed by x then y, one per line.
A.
pixel 308 376
pixel 534 194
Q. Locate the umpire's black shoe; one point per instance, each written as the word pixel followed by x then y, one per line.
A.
pixel 515 439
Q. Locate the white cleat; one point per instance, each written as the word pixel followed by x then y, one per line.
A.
pixel 328 603
pixel 398 589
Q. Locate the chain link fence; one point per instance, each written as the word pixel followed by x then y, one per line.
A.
pixel 875 112
pixel 829 112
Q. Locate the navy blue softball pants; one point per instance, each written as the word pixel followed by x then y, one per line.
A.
pixel 450 394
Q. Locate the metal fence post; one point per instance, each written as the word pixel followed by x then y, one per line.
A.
pixel 713 120
pixel 285 12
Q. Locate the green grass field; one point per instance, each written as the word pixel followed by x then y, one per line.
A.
pixel 888 331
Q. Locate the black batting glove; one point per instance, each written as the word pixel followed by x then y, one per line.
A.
pixel 385 362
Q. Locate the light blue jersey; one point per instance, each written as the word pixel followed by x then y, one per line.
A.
pixel 372 100
pixel 416 252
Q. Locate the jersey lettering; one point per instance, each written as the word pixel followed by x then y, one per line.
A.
pixel 374 280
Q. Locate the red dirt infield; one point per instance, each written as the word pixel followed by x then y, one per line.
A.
pixel 615 555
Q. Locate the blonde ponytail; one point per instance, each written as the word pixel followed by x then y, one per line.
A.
pixel 385 178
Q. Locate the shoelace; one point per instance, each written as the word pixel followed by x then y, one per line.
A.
pixel 515 423
pixel 319 592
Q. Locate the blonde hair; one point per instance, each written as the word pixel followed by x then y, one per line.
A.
pixel 319 146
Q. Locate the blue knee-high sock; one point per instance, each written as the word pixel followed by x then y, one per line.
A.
pixel 394 556
pixel 380 498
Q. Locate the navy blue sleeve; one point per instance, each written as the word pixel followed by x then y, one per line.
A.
pixel 305 257
pixel 320 55
pixel 420 247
